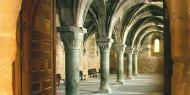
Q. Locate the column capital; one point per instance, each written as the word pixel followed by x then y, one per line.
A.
pixel 120 49
pixel 104 44
pixel 129 50
pixel 135 51
pixel 71 36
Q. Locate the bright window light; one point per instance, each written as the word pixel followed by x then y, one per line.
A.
pixel 156 45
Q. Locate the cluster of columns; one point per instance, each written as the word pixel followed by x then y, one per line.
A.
pixel 72 38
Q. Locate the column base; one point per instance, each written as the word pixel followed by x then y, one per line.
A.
pixel 105 90
pixel 135 74
pixel 121 82
pixel 129 77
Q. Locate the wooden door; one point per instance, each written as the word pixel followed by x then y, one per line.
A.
pixel 37 22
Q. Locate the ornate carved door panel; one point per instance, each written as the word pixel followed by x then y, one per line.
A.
pixel 38 47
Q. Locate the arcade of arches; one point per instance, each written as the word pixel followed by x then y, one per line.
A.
pixel 122 38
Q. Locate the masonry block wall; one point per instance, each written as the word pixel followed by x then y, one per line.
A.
pixel 90 58
pixel 150 64
pixel 113 60
pixel 148 61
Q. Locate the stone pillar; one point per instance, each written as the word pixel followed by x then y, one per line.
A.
pixel 120 70
pixel 72 38
pixel 129 52
pixel 179 14
pixel 104 45
pixel 135 63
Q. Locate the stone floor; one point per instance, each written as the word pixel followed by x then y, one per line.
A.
pixel 141 85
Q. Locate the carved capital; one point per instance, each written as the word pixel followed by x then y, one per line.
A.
pixel 71 36
pixel 129 50
pixel 120 49
pixel 135 51
pixel 104 44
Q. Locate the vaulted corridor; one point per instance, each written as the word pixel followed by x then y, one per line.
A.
pixel 97 47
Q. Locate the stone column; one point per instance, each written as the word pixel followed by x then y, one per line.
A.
pixel 104 45
pixel 72 38
pixel 179 14
pixel 135 63
pixel 129 52
pixel 120 70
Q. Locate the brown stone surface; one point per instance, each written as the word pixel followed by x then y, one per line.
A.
pixel 179 22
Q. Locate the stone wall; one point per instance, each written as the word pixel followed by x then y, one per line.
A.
pixel 149 61
pixel 90 56
pixel 113 60
pixel 150 64
pixel 60 56
pixel 147 64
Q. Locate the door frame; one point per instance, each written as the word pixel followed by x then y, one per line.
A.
pixel 21 68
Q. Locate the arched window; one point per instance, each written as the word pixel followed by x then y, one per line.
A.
pixel 156 45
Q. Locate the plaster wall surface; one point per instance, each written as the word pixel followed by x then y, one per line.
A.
pixel 9 10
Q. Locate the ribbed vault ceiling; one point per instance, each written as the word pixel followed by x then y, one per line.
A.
pixel 125 21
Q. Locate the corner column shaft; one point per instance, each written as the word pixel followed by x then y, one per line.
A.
pixel 120 70
pixel 135 63
pixel 129 52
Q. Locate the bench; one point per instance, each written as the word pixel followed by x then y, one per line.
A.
pixel 58 79
pixel 99 72
pixel 113 71
pixel 82 76
pixel 93 73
